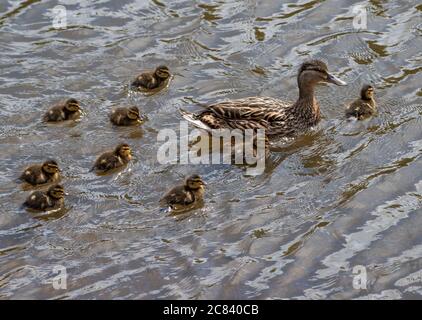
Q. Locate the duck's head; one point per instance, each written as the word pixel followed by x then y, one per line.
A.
pixel 194 182
pixel 133 113
pixel 56 191
pixel 123 150
pixel 50 166
pixel 72 105
pixel 367 92
pixel 162 72
pixel 315 71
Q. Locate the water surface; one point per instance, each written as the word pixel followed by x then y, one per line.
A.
pixel 344 195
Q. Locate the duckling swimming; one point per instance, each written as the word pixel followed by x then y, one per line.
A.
pixel 125 116
pixel 186 196
pixel 52 199
pixel 153 79
pixel 117 158
pixel 65 110
pixel 365 106
pixel 41 173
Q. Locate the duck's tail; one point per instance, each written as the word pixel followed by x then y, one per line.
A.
pixel 191 117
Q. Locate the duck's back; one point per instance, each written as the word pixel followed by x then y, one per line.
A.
pixel 178 196
pixel 274 115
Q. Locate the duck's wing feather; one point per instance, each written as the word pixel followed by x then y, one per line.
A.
pixel 252 108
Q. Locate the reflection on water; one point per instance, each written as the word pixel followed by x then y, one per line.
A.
pixel 349 193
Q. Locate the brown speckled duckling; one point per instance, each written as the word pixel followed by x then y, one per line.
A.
pixel 117 158
pixel 65 110
pixel 153 79
pixel 41 173
pixel 365 106
pixel 52 199
pixel 186 196
pixel 125 116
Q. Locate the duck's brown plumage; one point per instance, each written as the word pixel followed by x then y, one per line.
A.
pixel 53 198
pixel 186 196
pixel 46 172
pixel 117 158
pixel 152 79
pixel 125 116
pixel 365 106
pixel 64 110
pixel 277 117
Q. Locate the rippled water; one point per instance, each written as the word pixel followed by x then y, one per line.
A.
pixel 347 194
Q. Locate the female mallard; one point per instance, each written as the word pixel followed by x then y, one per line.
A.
pixel 275 116
pixel 41 173
pixel 125 116
pixel 65 110
pixel 365 106
pixel 153 79
pixel 117 158
pixel 52 199
pixel 186 196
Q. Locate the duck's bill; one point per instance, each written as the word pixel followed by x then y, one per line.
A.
pixel 335 80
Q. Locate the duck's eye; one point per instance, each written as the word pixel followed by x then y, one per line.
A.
pixel 133 115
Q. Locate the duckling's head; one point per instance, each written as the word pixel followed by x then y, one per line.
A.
pixel 72 105
pixel 123 150
pixel 56 191
pixel 367 92
pixel 162 72
pixel 315 71
pixel 50 166
pixel 133 113
pixel 194 182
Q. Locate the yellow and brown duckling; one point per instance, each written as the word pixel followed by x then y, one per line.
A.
pixel 365 106
pixel 186 196
pixel 64 110
pixel 117 158
pixel 53 198
pixel 41 173
pixel 126 116
pixel 153 79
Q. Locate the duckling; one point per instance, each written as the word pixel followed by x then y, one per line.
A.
pixel 277 117
pixel 52 199
pixel 117 158
pixel 153 79
pixel 186 196
pixel 65 110
pixel 41 173
pixel 125 116
pixel 365 106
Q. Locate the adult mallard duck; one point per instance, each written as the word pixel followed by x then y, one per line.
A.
pixel 365 106
pixel 186 196
pixel 277 117
pixel 65 110
pixel 153 79
pixel 52 199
